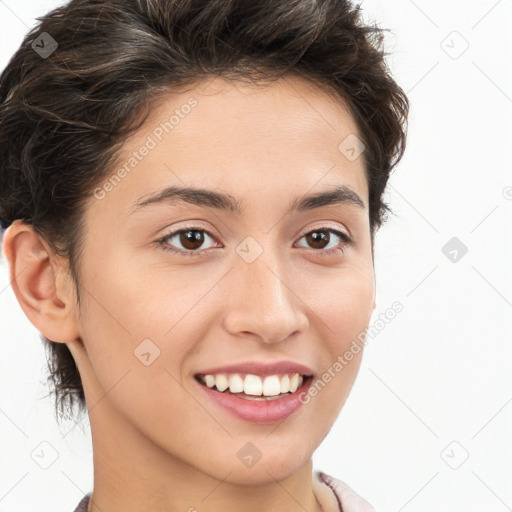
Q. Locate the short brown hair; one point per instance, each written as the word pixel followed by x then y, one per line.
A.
pixel 63 115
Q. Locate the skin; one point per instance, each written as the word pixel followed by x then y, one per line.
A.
pixel 159 444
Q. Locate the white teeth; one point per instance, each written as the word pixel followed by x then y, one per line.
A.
pixel 221 382
pixel 285 384
pixel 236 384
pixel 294 382
pixel 210 380
pixel 271 386
pixel 254 385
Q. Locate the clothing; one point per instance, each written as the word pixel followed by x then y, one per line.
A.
pixel 84 503
pixel 348 499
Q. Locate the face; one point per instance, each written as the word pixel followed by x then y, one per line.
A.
pixel 257 281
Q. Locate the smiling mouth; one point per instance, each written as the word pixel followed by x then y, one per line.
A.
pixel 253 387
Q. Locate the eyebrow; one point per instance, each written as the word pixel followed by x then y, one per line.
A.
pixel 341 194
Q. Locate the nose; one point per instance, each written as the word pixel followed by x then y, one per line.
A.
pixel 265 301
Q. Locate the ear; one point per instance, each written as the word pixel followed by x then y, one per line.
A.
pixel 41 282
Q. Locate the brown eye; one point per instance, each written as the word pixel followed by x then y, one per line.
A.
pixel 191 239
pixel 318 239
pixel 321 239
pixel 187 241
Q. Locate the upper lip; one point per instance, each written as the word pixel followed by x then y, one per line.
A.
pixel 260 368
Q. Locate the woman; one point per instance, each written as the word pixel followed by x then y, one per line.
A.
pixel 191 192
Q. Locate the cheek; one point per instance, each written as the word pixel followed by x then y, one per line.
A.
pixel 345 311
pixel 128 300
pixel 135 366
pixel 139 325
pixel 344 304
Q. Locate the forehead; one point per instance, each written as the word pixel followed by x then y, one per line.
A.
pixel 289 107
pixel 283 136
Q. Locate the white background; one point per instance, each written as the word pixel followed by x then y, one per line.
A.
pixel 435 386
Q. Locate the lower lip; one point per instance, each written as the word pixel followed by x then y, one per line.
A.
pixel 263 412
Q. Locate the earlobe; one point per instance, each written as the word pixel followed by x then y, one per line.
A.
pixel 40 282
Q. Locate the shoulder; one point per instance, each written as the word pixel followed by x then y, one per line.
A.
pixel 348 499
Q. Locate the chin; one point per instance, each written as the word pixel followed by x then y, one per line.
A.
pixel 262 474
pixel 251 466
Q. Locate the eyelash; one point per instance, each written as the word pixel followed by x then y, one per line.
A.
pixel 162 242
